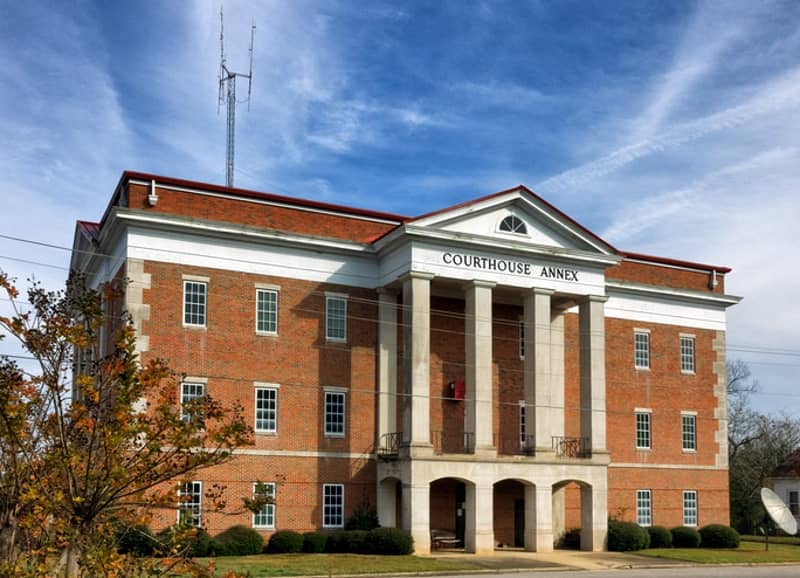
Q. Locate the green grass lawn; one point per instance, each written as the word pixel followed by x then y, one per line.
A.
pixel 331 564
pixel 748 552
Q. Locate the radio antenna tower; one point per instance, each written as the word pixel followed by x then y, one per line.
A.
pixel 227 95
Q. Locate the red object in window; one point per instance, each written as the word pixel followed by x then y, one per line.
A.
pixel 459 389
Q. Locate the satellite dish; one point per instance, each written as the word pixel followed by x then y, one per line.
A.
pixel 778 511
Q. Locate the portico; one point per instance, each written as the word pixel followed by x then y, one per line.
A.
pixel 477 407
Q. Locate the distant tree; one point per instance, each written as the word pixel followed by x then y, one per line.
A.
pixel 92 438
pixel 757 444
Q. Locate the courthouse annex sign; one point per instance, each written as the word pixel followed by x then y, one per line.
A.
pixel 511 266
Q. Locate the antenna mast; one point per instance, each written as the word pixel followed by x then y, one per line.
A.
pixel 227 95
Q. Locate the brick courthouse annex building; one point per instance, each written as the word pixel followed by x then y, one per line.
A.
pixel 492 369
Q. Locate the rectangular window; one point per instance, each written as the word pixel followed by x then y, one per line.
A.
pixel 522 339
pixel 194 303
pixel 267 311
pixel 794 503
pixel 643 430
pixel 644 507
pixel 334 413
pixel 689 432
pixel 690 508
pixel 266 409
pixel 335 318
pixel 522 436
pixel 189 392
pixel 687 354
pixel 641 347
pixel 190 501
pixel 264 517
pixel 332 505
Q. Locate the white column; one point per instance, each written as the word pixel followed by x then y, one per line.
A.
pixel 593 371
pixel 478 378
pixel 559 513
pixel 416 357
pixel 416 516
pixel 479 526
pixel 539 517
pixel 538 387
pixel 594 517
pixel 387 362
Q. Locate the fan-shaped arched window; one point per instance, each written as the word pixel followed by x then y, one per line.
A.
pixel 512 224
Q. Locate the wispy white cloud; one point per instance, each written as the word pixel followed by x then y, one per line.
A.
pixel 781 94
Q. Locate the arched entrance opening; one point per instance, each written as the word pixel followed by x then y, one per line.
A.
pixel 573 515
pixel 509 513
pixel 449 512
pixel 390 502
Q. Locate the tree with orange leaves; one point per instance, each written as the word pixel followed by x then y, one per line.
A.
pixel 91 438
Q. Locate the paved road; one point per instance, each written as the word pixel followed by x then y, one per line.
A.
pixel 691 572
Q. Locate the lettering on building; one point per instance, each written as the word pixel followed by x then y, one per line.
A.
pixel 511 266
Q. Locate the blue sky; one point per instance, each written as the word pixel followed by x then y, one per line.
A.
pixel 666 127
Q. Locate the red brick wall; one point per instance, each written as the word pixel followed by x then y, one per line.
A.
pixel 654 274
pixel 248 212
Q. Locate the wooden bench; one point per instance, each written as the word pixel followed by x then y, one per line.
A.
pixel 443 539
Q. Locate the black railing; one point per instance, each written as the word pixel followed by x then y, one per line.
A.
pixel 453 443
pixel 389 445
pixel 518 446
pixel 567 447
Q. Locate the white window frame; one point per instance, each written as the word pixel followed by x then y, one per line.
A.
pixel 266 330
pixel 266 387
pixel 688 354
pixel 641 357
pixel 690 508
pixel 644 507
pixel 267 510
pixel 516 225
pixel 191 280
pixel 689 434
pixel 328 423
pixel 794 504
pixel 643 417
pixel 331 298
pixel 189 395
pixel 194 506
pixel 332 505
pixel 522 338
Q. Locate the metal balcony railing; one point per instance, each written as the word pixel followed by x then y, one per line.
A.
pixel 389 446
pixel 453 443
pixel 568 447
pixel 518 446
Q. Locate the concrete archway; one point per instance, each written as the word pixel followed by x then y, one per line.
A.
pixel 574 506
pixel 390 502
pixel 510 503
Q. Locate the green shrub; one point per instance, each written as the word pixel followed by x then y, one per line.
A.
pixel 137 540
pixel 626 536
pixel 389 541
pixel 660 537
pixel 285 542
pixel 237 541
pixel 571 540
pixel 336 542
pixel 356 541
pixel 684 537
pixel 183 538
pixel 719 536
pixel 314 542
pixel 364 517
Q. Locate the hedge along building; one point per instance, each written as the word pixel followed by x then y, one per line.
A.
pixel 493 369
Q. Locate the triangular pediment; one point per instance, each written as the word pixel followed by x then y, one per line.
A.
pixel 517 216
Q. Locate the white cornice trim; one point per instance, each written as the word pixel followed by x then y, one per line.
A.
pixel 462 239
pixel 239 232
pixel 671 293
pixel 646 466
pixel 271 202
